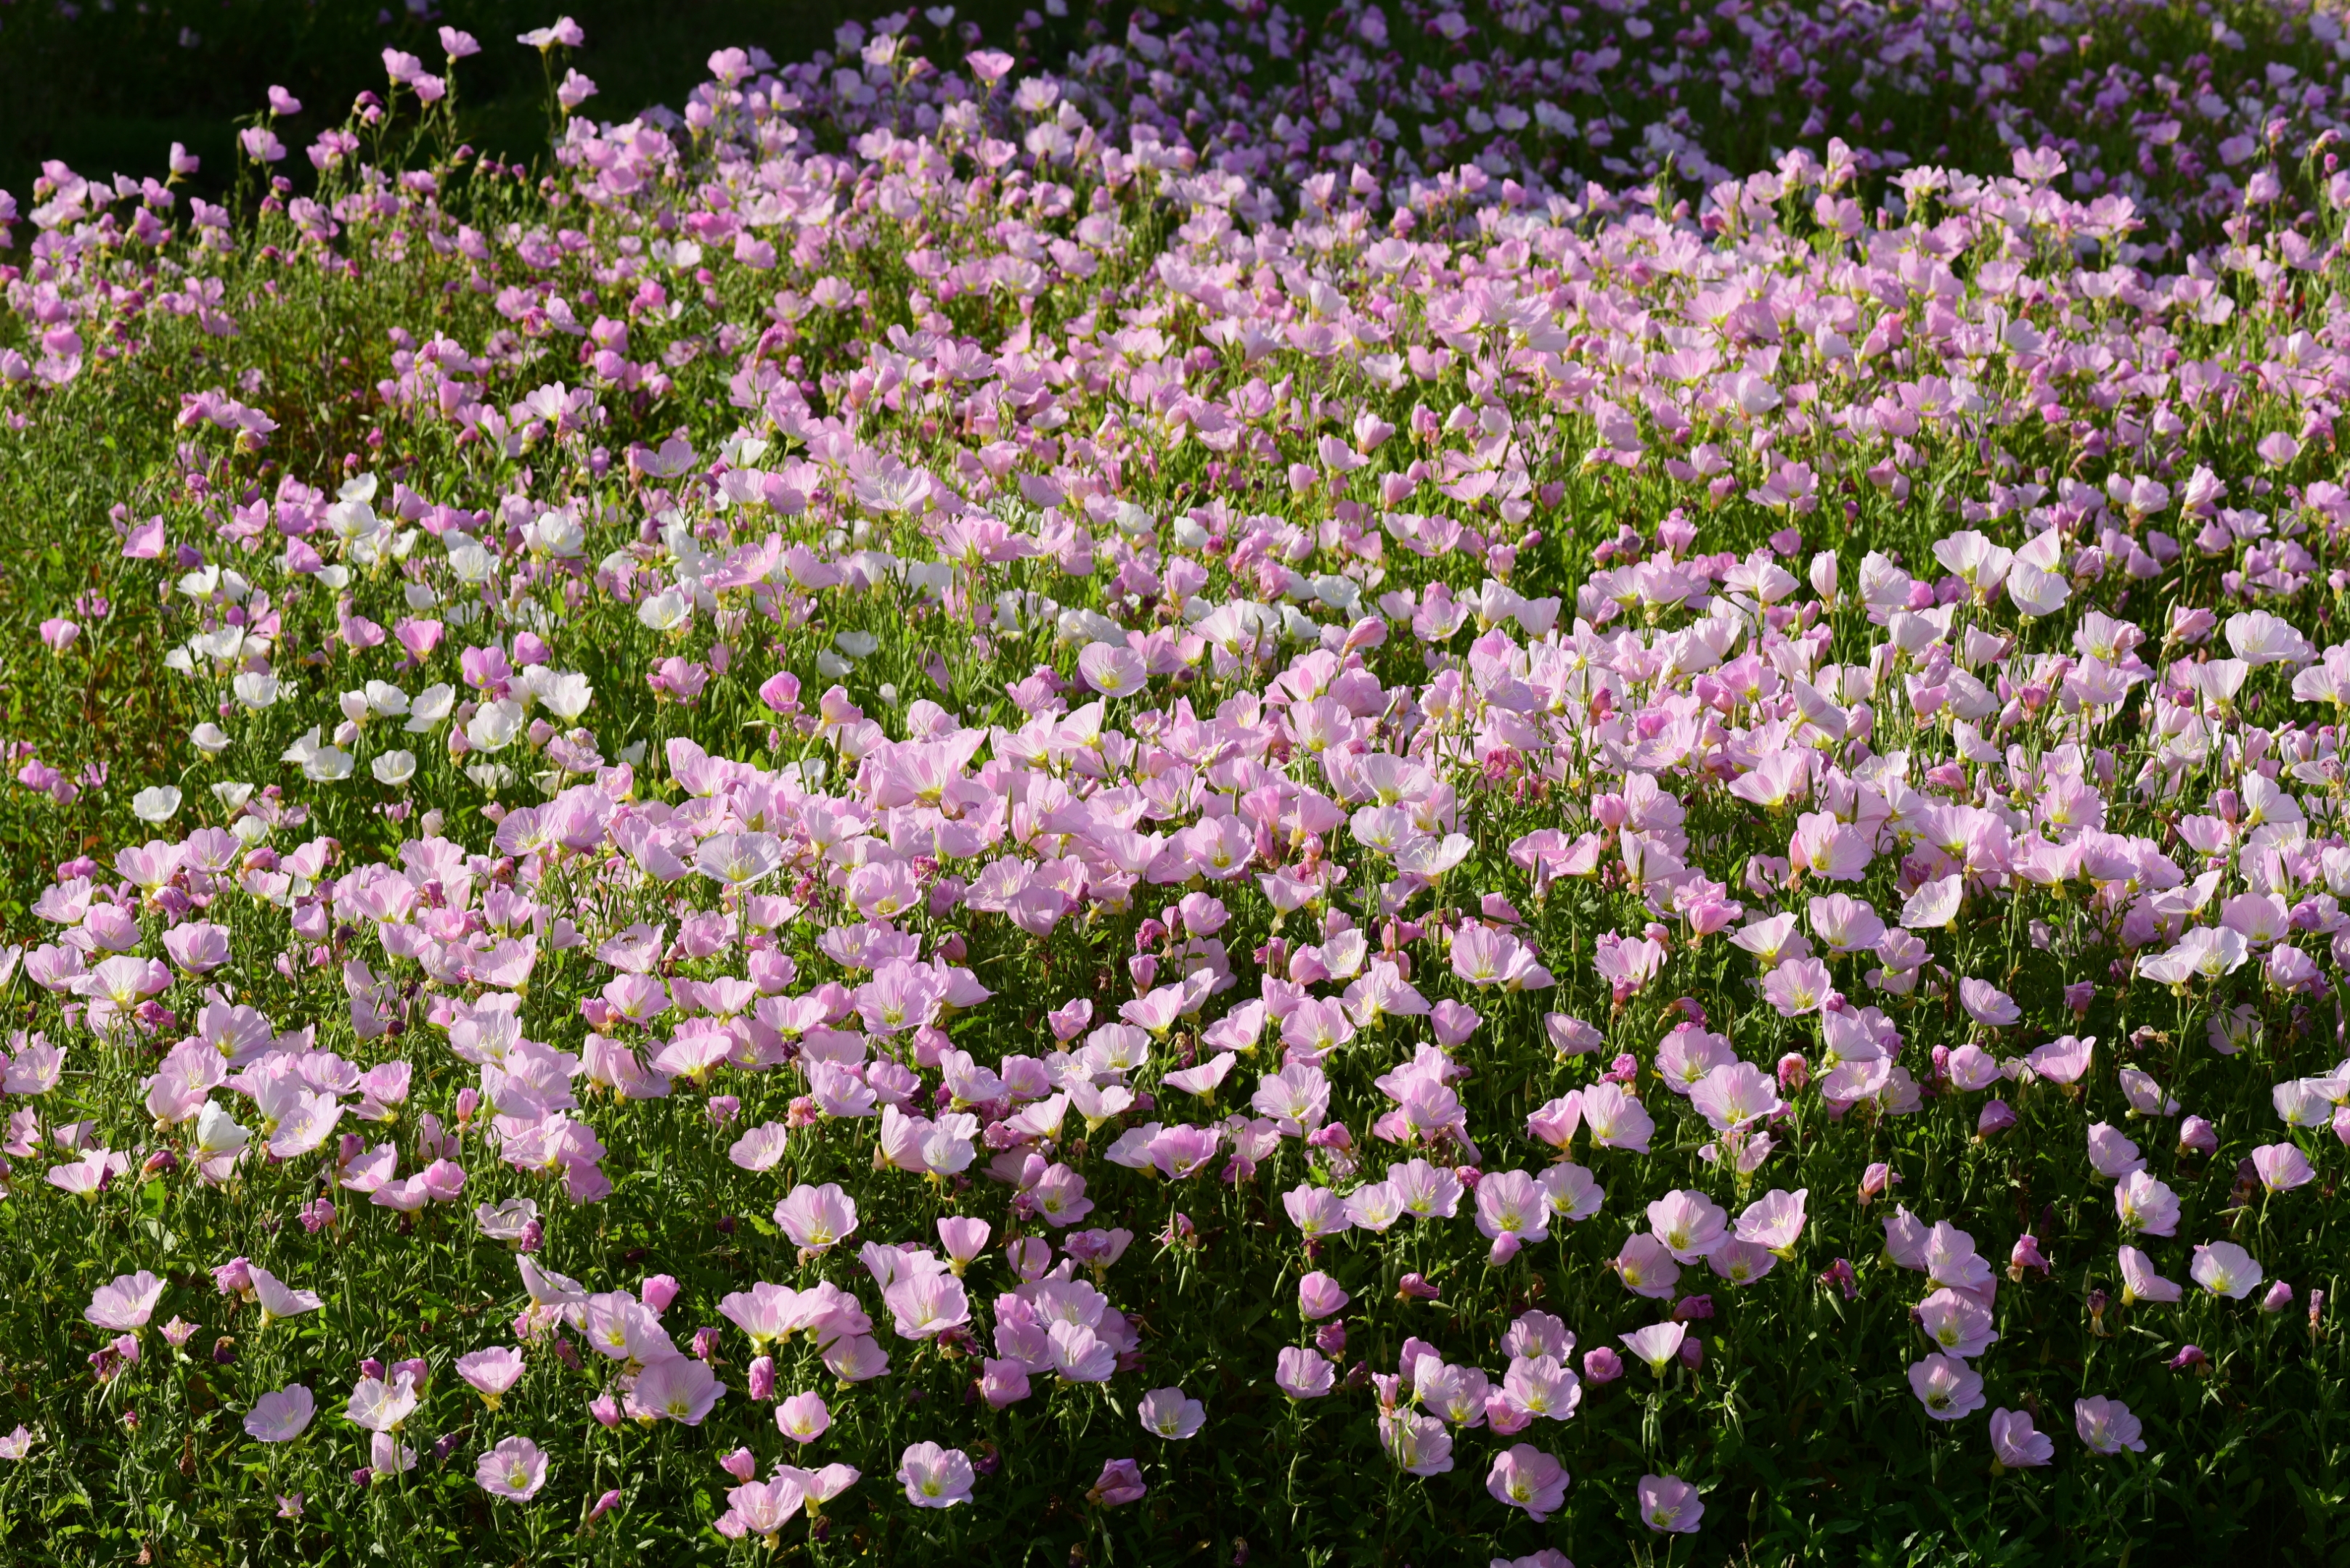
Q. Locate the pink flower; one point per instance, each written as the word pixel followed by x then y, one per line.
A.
pixel 1171 1412
pixel 281 1417
pixel 2283 1167
pixel 1121 1483
pixel 492 1372
pixel 803 1418
pixel 1987 1005
pixel 1669 1505
pixel 934 1477
pixel 1647 1267
pixel 2015 1444
pixel 1947 1386
pixel 675 1388
pixel 1797 987
pixel 1303 1374
pixel 1525 1477
pixel 127 1304
pixel 818 1218
pixel 515 1469
pixel 1319 1295
pixel 2224 1268
pixel 2106 1426
pixel 764 1508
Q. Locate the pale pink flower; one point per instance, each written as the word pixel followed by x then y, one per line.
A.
pixel 515 1469
pixel 934 1477
pixel 2106 1426
pixel 1947 1386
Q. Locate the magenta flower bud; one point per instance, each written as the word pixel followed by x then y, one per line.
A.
pixel 606 1410
pixel 2025 1255
pixel 1794 1072
pixel 1997 1117
pixel 532 1237
pixel 603 1505
pixel 2078 995
pixel 1330 1339
pixel 469 1100
pixel 370 1368
pixel 705 1345
pixel 1414 1287
pixel 2342 1124
pixel 2316 1308
pixel 233 1278
pixel 1692 1353
pixel 2188 1358
pixel 742 1464
pixel 2279 1296
pixel 362 1477
pixel 722 1109
pixel 658 1292
pixel 2197 1136
pixel 1691 1309
pixel 1333 1136
pixel 761 1378
pixel 1839 1275
pixel 566 1353
pixel 418 1369
pixel 1602 1366
pixel 1623 1069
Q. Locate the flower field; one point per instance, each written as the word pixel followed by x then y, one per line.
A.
pixel 1394 785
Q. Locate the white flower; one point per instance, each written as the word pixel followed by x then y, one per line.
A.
pixel 664 611
pixel 432 704
pixel 394 768
pixel 494 725
pixel 327 764
pixel 857 644
pixel 255 690
pixel 156 804
pixel 210 739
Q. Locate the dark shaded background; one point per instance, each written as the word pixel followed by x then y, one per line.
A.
pixel 109 85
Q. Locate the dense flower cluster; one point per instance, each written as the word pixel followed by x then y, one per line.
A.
pixel 1195 766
